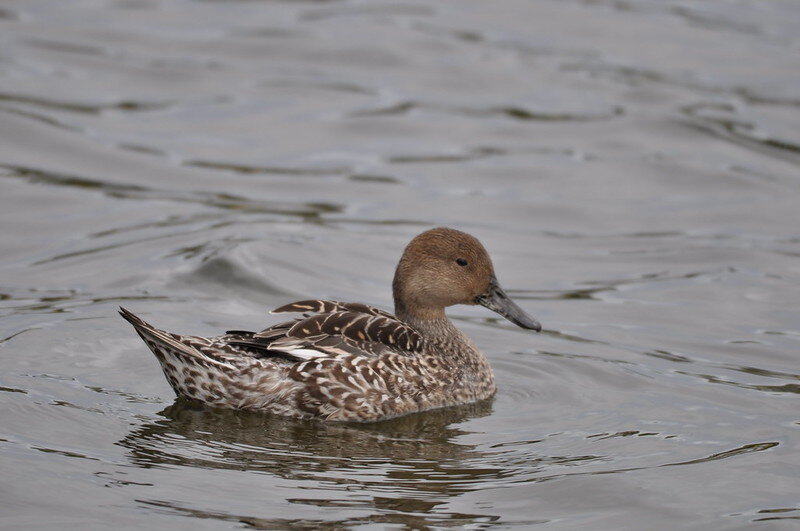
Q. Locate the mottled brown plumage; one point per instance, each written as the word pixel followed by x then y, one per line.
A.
pixel 350 361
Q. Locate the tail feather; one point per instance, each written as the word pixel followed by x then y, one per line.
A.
pixel 132 319
pixel 173 344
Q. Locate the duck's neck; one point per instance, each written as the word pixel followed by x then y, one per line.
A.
pixel 431 323
pixel 408 313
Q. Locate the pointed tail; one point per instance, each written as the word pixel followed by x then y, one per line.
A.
pixel 165 345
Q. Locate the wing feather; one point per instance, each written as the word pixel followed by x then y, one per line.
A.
pixel 329 329
pixel 327 306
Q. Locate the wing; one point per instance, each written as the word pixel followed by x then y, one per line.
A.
pixel 330 329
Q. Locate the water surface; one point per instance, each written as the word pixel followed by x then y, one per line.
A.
pixel 631 166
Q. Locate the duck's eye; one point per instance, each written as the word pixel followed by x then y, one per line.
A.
pixel 461 262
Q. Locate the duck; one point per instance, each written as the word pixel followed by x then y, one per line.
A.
pixel 351 362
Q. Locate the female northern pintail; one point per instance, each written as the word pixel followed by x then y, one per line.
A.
pixel 349 361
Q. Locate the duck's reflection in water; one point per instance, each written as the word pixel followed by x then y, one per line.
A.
pixel 410 464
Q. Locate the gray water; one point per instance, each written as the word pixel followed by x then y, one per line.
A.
pixel 632 167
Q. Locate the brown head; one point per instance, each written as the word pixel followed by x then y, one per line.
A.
pixel 442 267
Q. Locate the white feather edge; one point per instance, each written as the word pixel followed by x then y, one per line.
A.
pixel 303 353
